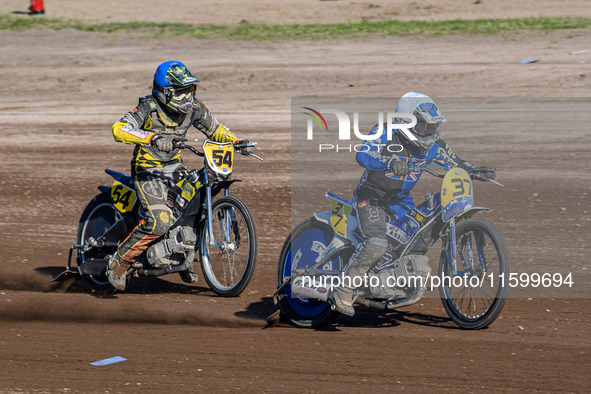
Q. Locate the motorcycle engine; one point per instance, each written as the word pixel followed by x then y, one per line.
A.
pixel 402 278
pixel 179 240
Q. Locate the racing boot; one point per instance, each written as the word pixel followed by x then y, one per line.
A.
pixel 189 276
pixel 117 272
pixel 343 298
pixel 359 265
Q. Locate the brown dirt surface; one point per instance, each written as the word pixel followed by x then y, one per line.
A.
pixel 62 91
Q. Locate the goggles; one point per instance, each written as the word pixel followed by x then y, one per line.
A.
pixel 182 93
pixel 424 129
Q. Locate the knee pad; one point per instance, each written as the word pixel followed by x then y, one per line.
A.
pixel 158 223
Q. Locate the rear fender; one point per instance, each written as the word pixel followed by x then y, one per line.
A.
pixel 323 217
pixel 120 177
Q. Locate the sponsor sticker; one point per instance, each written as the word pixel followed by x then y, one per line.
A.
pixel 135 132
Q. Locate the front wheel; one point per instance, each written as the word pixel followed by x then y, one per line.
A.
pixel 301 248
pixel 473 296
pixel 228 264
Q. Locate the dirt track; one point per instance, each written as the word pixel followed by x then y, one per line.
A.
pixel 63 90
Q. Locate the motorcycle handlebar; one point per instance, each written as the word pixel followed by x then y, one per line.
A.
pixel 238 147
pixel 180 143
pixel 483 171
pixel 413 167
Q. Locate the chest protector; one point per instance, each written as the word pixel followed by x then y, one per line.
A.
pixel 167 125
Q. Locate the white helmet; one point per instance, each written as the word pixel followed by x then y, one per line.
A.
pixel 428 118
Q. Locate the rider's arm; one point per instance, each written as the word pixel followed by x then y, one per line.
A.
pixel 128 130
pixel 449 157
pixel 370 157
pixel 209 125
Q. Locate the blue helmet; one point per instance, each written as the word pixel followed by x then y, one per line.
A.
pixel 174 86
pixel 428 118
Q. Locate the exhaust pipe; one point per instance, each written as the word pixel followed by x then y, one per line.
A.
pixel 371 303
pixel 309 288
pixel 399 303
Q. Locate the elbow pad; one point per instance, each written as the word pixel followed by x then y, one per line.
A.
pixel 124 132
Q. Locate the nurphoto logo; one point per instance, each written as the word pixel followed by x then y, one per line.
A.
pixel 344 128
pixel 345 124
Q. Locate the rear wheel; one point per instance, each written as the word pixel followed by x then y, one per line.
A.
pixel 228 264
pixel 301 248
pixel 98 216
pixel 474 296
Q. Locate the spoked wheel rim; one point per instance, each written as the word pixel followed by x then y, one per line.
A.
pixel 476 289
pixel 226 263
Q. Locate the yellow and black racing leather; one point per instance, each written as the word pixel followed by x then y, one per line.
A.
pixel 148 119
pixel 139 127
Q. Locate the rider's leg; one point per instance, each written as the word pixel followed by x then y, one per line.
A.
pixel 151 192
pixel 372 221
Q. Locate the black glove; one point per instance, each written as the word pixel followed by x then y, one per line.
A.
pixel 243 146
pixel 490 175
pixel 483 173
pixel 162 143
pixel 398 167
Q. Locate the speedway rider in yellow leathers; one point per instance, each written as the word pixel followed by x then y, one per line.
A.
pixel 152 125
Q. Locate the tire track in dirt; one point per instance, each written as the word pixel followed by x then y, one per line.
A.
pixel 32 281
pixel 31 297
pixel 34 307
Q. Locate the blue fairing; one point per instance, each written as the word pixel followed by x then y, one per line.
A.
pixel 403 205
pixel 423 208
pixel 407 220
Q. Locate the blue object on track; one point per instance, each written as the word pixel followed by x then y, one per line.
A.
pixel 108 361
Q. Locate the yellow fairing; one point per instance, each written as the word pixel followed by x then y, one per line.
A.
pixel 456 185
pixel 220 156
pixel 123 197
pixel 338 216
pixel 123 132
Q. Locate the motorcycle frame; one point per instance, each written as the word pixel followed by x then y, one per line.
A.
pixel 448 230
pixel 209 193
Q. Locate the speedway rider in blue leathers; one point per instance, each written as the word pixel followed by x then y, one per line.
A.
pixel 387 181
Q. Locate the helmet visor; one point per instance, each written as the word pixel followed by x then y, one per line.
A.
pixel 423 129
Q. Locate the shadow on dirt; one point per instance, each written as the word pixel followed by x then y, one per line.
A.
pixel 374 318
pixel 364 317
pixel 144 285
pixel 258 310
